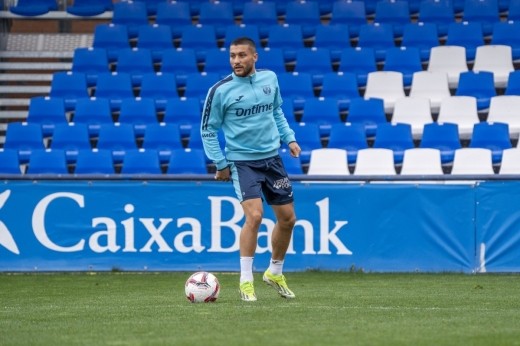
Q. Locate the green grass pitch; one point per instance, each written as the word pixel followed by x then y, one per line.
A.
pixel 331 308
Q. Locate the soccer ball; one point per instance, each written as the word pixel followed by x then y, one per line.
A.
pixel 202 287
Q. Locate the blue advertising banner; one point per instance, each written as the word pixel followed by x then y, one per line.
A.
pixel 168 225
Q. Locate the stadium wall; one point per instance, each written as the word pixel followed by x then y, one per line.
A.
pixel 101 225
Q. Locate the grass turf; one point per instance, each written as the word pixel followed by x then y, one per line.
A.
pixel 330 309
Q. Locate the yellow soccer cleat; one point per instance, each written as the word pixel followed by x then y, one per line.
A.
pixel 247 292
pixel 278 283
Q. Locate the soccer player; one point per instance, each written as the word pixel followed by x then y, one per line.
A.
pixel 246 105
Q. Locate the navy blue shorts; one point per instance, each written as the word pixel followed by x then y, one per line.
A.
pixel 267 177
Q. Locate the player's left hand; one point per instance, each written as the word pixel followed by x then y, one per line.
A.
pixel 223 174
pixel 295 149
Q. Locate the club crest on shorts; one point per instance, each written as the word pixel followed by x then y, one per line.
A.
pixel 267 89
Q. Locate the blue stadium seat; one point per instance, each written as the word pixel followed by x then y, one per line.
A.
pixel 485 12
pixel 139 112
pixel 262 14
pixel 289 38
pixel 296 86
pixel 321 111
pixel 479 85
pixel 292 165
pixel 507 33
pixel 368 112
pixel 442 136
pixel 112 38
pixel 160 87
pixel 32 8
pixel 93 112
pixel 350 13
pixel 271 59
pixel 156 38
pixel 94 162
pixel 306 14
pixel 71 138
pixel 308 137
pixel 151 6
pixel 395 13
pixel 47 162
pixel 184 112
pixel 243 30
pixel 513 83
pixel 47 112
pixel 315 61
pixel 132 14
pixel 24 138
pixel 378 36
pixel 175 14
pixel 342 86
pixel 360 61
pixel 513 12
pixel 198 85
pixel 90 61
pixel 493 136
pixel 219 14
pixel 422 36
pixel 88 8
pixel 334 37
pixel 141 162
pixel 200 38
pixel 115 87
pixel 136 62
pixel 187 161
pixel 217 62
pixel 70 86
pixel 118 138
pixel 438 12
pixel 406 60
pixel 467 35
pixel 348 136
pixel 180 62
pixel 162 137
pixel 9 162
pixel 397 137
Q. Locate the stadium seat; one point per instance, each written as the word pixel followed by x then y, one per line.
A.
pixel 31 8
pixel 47 112
pixel 175 14
pixel 187 161
pixel 513 11
pixel 513 83
pixel 9 162
pixel 467 35
pixel 422 36
pixel 296 86
pixel 131 14
pixel 93 112
pixel 180 62
pixel 288 38
pixel 395 13
pixel 308 137
pixel 341 86
pixel 184 112
pixel 316 61
pixel 217 62
pixel 24 138
pixel 141 162
pixel 422 161
pixel 71 138
pixel 198 85
pixel 431 85
pixel 350 13
pixel 386 85
pixel 112 38
pixel 406 60
pixel 160 87
pixel 450 60
pixel 321 111
pixel 151 6
pixel 90 61
pixel 472 161
pixel 200 38
pixel 304 13
pixel 47 162
pixel 479 85
pixel 243 30
pixel 485 12
pixel 162 137
pixel 88 8
pixel 350 137
pixel 70 86
pixel 118 138
pixel 291 164
pixel 507 34
pixel 328 161
pixel 492 136
pixel 415 111
pixel 370 112
pixel 378 36
pixel 94 162
pixel 135 62
pixel 218 14
pixel 506 109
pixel 139 112
pixel 156 38
pixel 375 161
pixel 271 59
pixel 510 163
pixel 444 137
pixel 360 61
pixel 335 38
pixel 115 87
pixel 397 137
pixel 497 59
pixel 438 12
pixel 288 111
pixel 461 110
pixel 262 14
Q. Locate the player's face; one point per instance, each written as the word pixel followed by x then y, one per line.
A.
pixel 242 59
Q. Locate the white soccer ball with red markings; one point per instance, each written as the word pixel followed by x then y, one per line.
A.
pixel 202 287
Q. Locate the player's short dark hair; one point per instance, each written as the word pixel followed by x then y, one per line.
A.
pixel 244 41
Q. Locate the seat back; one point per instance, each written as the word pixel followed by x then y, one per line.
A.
pixel 94 162
pixel 472 161
pixel 328 161
pixel 422 161
pixel 141 162
pixel 47 162
pixel 375 161
pixel 450 60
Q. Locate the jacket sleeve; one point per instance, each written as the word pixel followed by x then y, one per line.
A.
pixel 286 133
pixel 212 118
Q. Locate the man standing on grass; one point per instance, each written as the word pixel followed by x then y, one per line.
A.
pixel 246 105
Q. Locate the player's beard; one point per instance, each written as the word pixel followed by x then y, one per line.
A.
pixel 246 71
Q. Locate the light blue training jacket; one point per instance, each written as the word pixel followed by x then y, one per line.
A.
pixel 247 109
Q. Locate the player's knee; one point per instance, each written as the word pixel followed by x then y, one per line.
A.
pixel 254 218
